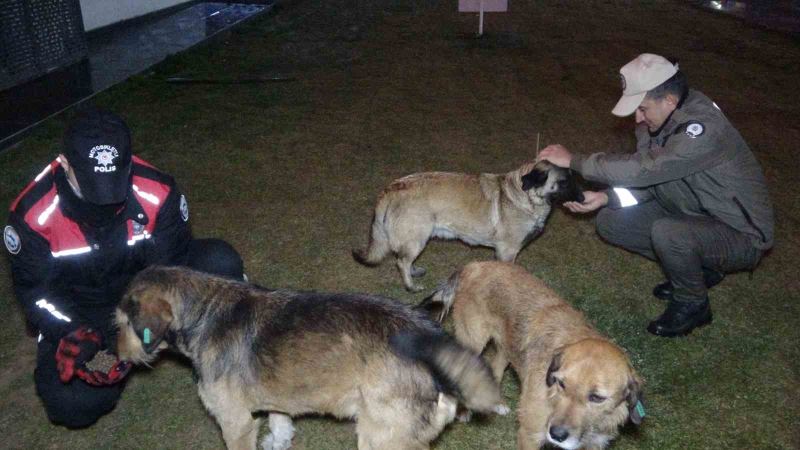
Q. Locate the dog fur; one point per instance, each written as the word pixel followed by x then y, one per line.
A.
pixel 578 387
pixel 502 211
pixel 353 356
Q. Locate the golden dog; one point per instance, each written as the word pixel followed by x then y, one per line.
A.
pixel 502 211
pixel 577 386
pixel 365 357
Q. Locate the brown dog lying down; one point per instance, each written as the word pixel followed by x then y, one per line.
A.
pixel 577 385
pixel 502 211
pixel 361 357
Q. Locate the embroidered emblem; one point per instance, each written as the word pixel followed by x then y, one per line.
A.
pixel 694 129
pixel 12 240
pixel 105 155
pixel 184 208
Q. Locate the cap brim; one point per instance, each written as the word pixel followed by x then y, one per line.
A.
pixel 105 189
pixel 627 104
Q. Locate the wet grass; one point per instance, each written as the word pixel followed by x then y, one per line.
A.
pixel 289 171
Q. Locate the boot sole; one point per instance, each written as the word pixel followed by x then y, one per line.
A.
pixel 701 323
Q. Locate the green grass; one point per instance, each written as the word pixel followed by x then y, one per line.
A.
pixel 289 172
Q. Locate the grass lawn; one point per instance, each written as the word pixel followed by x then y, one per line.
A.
pixel 289 172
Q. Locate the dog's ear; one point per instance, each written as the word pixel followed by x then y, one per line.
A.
pixel 534 179
pixel 152 323
pixel 555 364
pixel 633 398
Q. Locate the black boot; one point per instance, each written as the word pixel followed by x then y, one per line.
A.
pixel 665 290
pixel 680 318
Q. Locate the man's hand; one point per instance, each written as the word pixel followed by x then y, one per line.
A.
pixel 556 154
pixel 74 350
pixel 592 201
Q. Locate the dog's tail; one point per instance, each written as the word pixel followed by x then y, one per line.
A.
pixel 438 304
pixel 378 246
pixel 456 370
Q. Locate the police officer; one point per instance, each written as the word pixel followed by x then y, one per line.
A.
pixel 692 197
pixel 77 234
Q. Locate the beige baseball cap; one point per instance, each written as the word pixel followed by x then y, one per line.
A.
pixel 642 74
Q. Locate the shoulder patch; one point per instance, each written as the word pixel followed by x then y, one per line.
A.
pixel 184 208
pixel 694 129
pixel 12 240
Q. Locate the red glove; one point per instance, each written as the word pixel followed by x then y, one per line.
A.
pixel 74 350
pixel 97 378
pixel 79 347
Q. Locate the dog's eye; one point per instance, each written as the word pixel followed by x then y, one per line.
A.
pixel 594 398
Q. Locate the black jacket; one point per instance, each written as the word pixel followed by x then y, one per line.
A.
pixel 68 273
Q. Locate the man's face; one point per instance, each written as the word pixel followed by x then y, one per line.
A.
pixel 654 112
pixel 73 180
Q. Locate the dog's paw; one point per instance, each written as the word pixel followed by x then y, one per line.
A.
pixel 417 271
pixel 281 433
pixel 502 409
pixel 446 405
pixel 414 288
pixel 270 442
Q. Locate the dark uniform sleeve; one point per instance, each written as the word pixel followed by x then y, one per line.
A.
pixel 172 233
pixel 47 306
pixel 682 155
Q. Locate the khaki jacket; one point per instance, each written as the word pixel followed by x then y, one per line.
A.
pixel 697 164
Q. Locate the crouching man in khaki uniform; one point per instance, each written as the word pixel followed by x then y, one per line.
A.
pixel 692 197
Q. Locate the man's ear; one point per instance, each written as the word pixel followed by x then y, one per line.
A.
pixel 534 179
pixel 672 99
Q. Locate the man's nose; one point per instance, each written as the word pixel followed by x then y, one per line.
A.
pixel 639 116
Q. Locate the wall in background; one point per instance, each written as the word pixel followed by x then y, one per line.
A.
pixel 99 13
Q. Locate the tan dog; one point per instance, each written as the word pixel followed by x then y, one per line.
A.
pixel 361 357
pixel 502 211
pixel 577 386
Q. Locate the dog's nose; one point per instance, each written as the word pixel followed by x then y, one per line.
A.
pixel 559 434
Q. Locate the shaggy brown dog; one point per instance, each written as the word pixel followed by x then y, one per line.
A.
pixel 360 357
pixel 502 211
pixel 577 385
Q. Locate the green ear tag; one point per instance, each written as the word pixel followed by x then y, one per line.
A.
pixel 640 409
pixel 147 341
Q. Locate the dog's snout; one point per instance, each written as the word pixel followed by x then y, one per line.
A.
pixel 579 196
pixel 559 434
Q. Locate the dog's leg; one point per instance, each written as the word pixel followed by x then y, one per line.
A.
pixel 405 262
pixel 417 271
pixel 506 253
pixel 239 428
pixel 281 432
pixel 532 413
pixel 399 422
pixel 498 363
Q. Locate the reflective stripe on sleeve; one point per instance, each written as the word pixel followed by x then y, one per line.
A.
pixel 146 195
pixel 625 197
pixel 49 210
pixel 52 310
pixel 139 237
pixel 72 251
